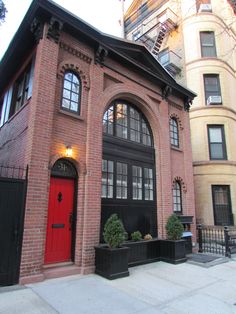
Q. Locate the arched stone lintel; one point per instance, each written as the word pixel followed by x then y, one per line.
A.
pixel 181 181
pixel 176 117
pixel 70 65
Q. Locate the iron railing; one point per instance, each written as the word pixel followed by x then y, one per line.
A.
pixel 217 240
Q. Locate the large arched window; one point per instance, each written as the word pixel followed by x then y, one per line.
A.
pixel 128 169
pixel 71 93
pixel 122 120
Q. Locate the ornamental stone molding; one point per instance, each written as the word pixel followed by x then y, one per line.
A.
pixel 54 29
pixel 176 117
pixel 166 92
pixel 75 52
pixel 187 103
pixel 100 54
pixel 70 65
pixel 181 181
pixel 36 28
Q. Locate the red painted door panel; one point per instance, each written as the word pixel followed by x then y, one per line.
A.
pixel 60 210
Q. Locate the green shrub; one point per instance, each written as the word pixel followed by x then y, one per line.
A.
pixel 174 228
pixel 114 232
pixel 136 236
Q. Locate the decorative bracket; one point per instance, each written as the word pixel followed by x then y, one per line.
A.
pixel 187 103
pixel 54 29
pixel 36 28
pixel 101 54
pixel 166 91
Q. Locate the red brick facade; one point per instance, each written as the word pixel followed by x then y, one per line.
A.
pixel 39 132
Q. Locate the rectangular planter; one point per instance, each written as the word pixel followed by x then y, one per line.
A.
pixel 111 263
pixel 143 252
pixel 173 251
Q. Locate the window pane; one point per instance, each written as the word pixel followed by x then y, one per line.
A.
pixel 148 184
pixel 215 135
pixel 217 151
pixel 65 103
pixel 74 106
pixel 121 121
pixel 107 179
pixel 137 182
pixel 121 180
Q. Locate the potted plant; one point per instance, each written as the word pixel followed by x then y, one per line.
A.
pixel 173 249
pixel 136 236
pixel 111 260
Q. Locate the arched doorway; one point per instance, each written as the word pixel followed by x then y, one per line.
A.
pixel 128 169
pixel 61 213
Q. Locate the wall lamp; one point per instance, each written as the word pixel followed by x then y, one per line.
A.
pixel 69 151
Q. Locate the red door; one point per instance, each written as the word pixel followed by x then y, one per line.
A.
pixel 60 210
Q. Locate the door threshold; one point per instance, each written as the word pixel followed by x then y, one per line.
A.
pixel 60 264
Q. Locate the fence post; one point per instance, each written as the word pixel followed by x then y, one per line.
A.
pixel 199 228
pixel 227 249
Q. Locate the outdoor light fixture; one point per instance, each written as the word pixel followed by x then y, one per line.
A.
pixel 68 151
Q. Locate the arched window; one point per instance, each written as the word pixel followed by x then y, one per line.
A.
pixel 71 93
pixel 125 121
pixel 177 197
pixel 174 132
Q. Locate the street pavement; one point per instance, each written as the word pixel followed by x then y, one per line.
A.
pixel 150 289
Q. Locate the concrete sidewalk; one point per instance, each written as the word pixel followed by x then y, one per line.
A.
pixel 150 289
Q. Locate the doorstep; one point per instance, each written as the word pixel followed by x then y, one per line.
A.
pixel 60 270
pixel 206 260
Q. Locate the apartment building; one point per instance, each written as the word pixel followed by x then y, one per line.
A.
pixel 195 40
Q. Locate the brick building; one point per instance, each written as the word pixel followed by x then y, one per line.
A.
pixel 94 119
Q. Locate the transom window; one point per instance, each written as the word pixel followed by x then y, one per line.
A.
pixel 177 197
pixel 174 132
pixel 124 121
pixel 71 93
pixel 117 184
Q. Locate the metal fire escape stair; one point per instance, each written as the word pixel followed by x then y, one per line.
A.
pixel 159 39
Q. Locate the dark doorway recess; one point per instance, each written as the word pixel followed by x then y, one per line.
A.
pixel 13 185
pixel 128 169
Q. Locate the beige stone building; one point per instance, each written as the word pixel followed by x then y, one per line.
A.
pixel 195 40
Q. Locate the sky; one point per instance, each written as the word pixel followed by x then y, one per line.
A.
pixel 102 14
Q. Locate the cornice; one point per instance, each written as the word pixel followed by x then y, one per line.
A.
pixel 203 60
pixel 214 163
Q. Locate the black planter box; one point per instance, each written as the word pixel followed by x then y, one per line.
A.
pixel 173 251
pixel 111 263
pixel 143 252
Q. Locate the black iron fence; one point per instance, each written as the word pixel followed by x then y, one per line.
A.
pixel 217 240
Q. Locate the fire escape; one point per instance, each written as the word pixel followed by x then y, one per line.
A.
pixel 152 34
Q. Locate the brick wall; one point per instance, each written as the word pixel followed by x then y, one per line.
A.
pixel 50 130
